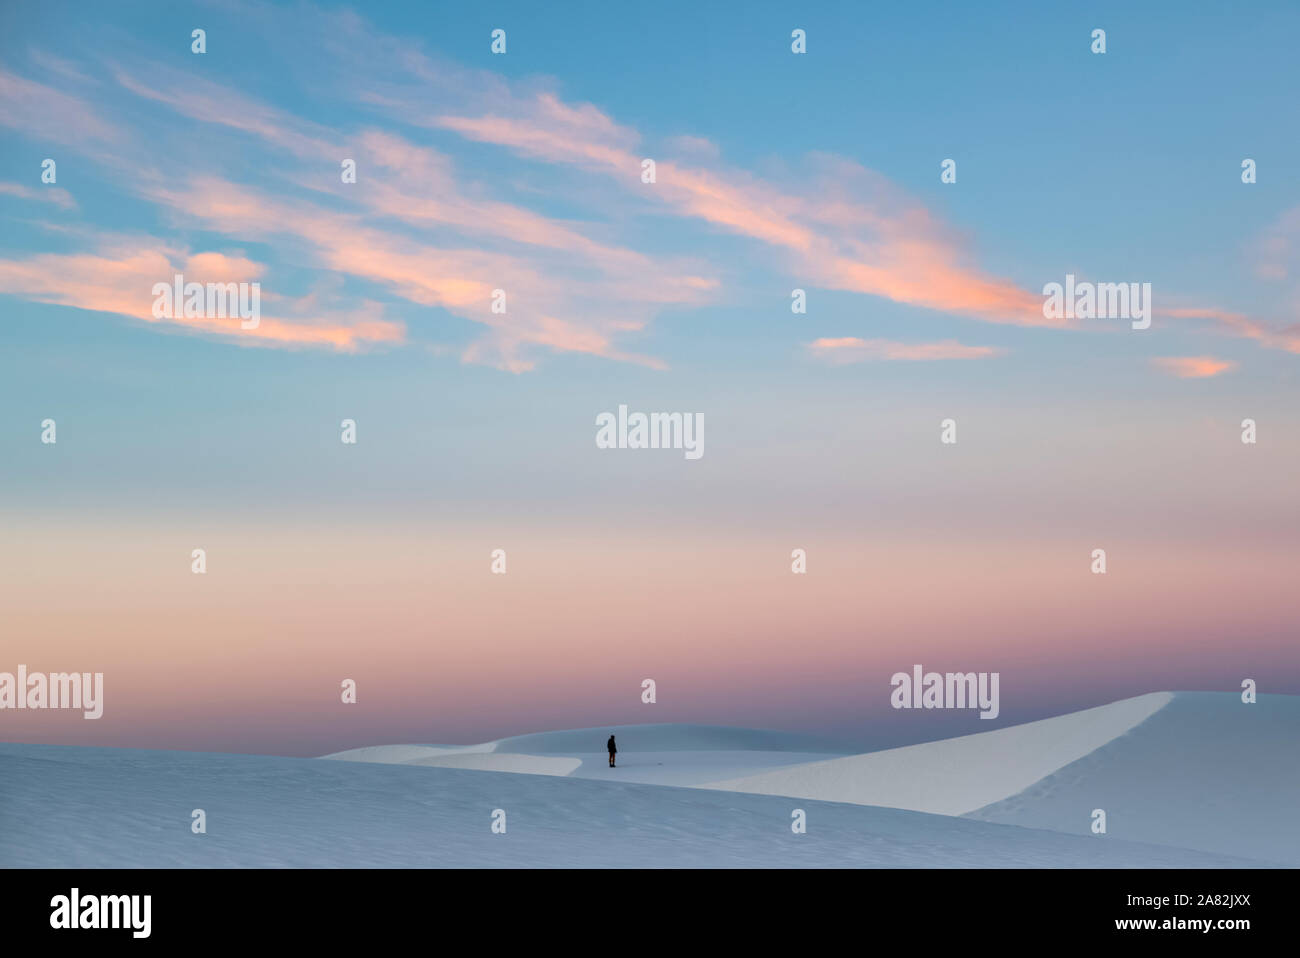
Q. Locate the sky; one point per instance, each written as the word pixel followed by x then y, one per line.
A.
pixel 522 171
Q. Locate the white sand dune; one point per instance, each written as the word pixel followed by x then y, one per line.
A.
pixel 105 807
pixel 402 754
pixel 1207 771
pixel 1197 770
pixel 957 775
pixel 665 737
pixel 1194 770
pixel 1190 780
pixel 656 754
pixel 502 762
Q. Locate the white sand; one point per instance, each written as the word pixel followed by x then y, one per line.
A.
pixel 957 775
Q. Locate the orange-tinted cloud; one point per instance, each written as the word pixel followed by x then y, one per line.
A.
pixel 1276 251
pixel 43 113
pixel 851 349
pixel 575 302
pixel 120 280
pixel 209 102
pixel 48 194
pixel 547 308
pixel 835 224
pixel 1193 367
pixel 867 238
pixel 1239 324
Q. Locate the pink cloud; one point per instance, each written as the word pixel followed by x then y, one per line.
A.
pixel 43 113
pixel 1276 251
pixel 851 349
pixel 417 186
pixel 1193 367
pixel 870 240
pixel 835 224
pixel 119 279
pixel 1274 337
pixel 420 188
pixel 46 194
pixel 208 102
pixel 546 308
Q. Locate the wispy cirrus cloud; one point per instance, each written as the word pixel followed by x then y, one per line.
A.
pixel 850 349
pixel 45 113
pixel 869 239
pixel 1193 367
pixel 119 279
pixel 566 291
pixel 431 235
pixel 840 225
pixel 1277 252
pixel 539 304
pixel 49 194
pixel 209 102
pixel 1286 337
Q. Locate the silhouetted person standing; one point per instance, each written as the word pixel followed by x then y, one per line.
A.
pixel 613 750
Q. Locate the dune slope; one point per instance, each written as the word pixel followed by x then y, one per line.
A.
pixel 100 807
pixel 957 775
pixel 1206 771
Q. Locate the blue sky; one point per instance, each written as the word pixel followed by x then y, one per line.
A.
pixel 1122 166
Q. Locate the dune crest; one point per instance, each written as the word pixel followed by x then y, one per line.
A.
pixel 957 775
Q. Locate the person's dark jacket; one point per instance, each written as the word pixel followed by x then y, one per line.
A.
pixel 609 746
